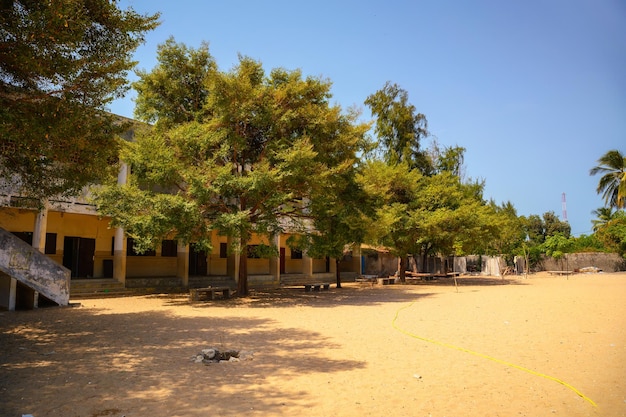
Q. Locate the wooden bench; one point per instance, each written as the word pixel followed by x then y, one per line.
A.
pixel 316 287
pixel 197 294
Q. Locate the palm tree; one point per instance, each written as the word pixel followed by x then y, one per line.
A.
pixel 604 215
pixel 612 184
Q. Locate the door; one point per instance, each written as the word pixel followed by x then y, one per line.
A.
pixel 282 260
pixel 197 261
pixel 78 256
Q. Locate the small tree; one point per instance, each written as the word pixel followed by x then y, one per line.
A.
pixel 557 246
pixel 393 191
pixel 339 219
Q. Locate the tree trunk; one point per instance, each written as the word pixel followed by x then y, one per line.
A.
pixel 403 263
pixel 337 273
pixel 424 267
pixel 242 283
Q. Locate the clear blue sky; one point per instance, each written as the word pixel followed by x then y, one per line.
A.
pixel 535 90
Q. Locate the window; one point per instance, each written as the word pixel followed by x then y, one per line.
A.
pixel 223 250
pixel 169 248
pixel 25 236
pixel 130 249
pixel 296 254
pixel 252 253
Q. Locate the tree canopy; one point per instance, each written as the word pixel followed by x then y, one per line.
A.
pixel 265 150
pixel 61 63
pixel 399 128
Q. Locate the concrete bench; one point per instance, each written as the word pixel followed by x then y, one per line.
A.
pixel 560 272
pixel 197 294
pixel 316 287
pixel 366 278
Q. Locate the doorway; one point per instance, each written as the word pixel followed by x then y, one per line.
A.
pixel 197 261
pixel 282 260
pixel 78 256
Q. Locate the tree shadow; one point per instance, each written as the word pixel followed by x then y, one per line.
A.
pixel 79 362
pixel 472 281
pixel 350 294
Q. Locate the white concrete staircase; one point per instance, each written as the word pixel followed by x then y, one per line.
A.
pixel 22 263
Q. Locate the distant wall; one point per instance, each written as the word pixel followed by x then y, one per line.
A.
pixel 380 264
pixel 383 264
pixel 608 262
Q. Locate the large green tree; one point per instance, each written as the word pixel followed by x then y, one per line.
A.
pixel 254 161
pixel 612 184
pixel 61 63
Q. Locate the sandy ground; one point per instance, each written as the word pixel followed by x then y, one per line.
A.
pixel 540 346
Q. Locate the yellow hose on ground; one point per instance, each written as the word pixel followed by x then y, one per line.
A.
pixel 482 355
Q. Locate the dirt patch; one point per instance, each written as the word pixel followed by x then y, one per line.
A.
pixel 525 347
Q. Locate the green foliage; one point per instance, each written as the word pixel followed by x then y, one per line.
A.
pixel 418 214
pixel 612 184
pixel 399 128
pixel 603 216
pixel 61 63
pixel 613 233
pixel 176 90
pixel 557 245
pixel 447 158
pixel 587 243
pixel 538 229
pixel 510 231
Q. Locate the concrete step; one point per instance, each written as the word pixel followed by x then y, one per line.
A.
pixel 92 288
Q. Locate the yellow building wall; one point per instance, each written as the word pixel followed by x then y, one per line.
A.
pixel 258 266
pixel 216 265
pixel 17 220
pixel 319 266
pixel 151 266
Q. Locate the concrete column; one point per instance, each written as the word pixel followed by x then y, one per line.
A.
pixel 307 265
pixel 182 263
pixel 8 291
pixel 122 174
pixel 39 243
pixel 119 242
pixel 41 227
pixel 275 262
pixel 356 260
pixel 119 256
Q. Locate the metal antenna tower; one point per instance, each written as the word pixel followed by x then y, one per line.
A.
pixel 564 207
